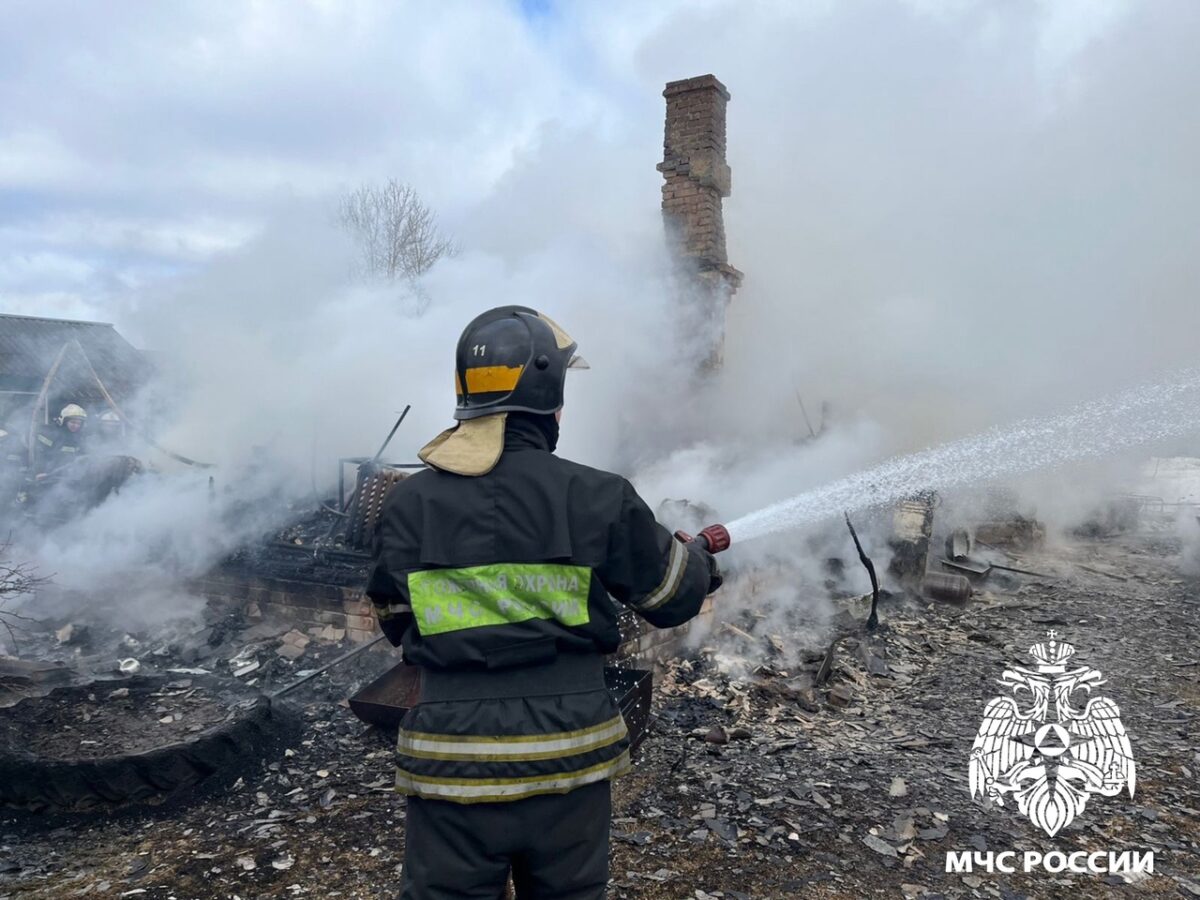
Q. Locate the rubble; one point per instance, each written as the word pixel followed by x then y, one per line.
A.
pixel 804 798
pixel 293 645
pixel 1019 531
pixel 841 696
pixel 959 543
pixel 717 735
pixel 912 527
pixel 948 588
pixel 332 634
pixel 71 634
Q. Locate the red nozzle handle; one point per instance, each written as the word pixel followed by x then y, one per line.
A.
pixel 714 538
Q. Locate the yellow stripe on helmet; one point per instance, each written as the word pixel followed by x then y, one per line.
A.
pixel 489 379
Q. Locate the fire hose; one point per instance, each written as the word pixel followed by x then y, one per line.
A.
pixel 329 665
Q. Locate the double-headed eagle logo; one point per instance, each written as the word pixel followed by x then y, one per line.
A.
pixel 1051 760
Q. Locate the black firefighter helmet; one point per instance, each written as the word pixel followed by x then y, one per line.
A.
pixel 512 359
pixel 509 359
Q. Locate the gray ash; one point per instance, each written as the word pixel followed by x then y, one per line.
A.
pixel 113 718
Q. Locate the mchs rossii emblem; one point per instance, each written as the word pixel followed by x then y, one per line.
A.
pixel 1041 750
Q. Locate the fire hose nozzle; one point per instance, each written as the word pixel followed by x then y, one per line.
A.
pixel 713 538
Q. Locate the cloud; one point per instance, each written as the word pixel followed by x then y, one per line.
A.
pixel 950 214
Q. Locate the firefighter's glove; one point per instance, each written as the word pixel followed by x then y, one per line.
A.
pixel 715 578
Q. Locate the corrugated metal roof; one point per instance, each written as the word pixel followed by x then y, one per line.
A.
pixel 29 345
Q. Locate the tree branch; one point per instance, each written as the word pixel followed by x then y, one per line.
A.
pixel 396 233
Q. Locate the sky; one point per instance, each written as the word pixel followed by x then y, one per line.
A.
pixel 950 214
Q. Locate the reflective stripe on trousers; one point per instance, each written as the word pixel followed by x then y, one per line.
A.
pixel 496 790
pixel 511 748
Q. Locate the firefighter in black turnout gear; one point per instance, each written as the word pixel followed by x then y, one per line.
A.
pixel 61 443
pixel 13 459
pixel 496 570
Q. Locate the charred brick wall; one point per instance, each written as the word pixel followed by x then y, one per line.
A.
pixel 306 604
pixel 643 645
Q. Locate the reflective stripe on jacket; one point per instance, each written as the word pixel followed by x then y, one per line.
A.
pixel 56 447
pixel 501 587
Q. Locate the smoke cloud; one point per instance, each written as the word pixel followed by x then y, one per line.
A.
pixel 950 215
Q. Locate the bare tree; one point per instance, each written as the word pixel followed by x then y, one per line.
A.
pixel 396 232
pixel 16 579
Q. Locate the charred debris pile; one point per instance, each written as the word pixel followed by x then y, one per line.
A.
pixel 758 780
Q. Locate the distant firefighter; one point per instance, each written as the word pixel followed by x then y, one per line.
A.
pixel 109 435
pixel 12 466
pixel 61 442
pixel 12 453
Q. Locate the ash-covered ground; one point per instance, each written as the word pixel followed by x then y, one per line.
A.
pixel 754 782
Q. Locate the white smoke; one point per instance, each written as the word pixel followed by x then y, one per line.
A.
pixel 950 216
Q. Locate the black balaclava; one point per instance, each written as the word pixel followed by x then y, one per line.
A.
pixel 522 427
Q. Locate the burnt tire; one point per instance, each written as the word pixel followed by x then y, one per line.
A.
pixel 35 784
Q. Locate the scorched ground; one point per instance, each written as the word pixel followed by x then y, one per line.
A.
pixel 750 784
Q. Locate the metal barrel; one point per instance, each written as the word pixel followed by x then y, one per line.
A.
pixel 949 588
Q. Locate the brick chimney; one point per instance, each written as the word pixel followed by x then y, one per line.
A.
pixel 697 177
